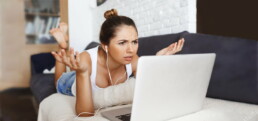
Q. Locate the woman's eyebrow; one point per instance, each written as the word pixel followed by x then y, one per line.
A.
pixel 127 40
pixel 122 40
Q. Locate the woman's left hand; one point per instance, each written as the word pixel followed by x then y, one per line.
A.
pixel 173 48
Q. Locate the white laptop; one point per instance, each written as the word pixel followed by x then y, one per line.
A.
pixel 167 87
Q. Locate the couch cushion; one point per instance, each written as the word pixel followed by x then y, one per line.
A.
pixel 234 75
pixel 92 45
pixel 42 85
pixel 42 61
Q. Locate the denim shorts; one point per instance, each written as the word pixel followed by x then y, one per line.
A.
pixel 65 82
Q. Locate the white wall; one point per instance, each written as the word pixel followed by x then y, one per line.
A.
pixel 80 23
pixel 152 17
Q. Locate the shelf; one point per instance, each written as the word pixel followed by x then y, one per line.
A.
pixel 43 14
pixel 31 35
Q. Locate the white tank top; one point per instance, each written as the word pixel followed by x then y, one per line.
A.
pixel 94 57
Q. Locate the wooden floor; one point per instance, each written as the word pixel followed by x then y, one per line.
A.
pixel 16 104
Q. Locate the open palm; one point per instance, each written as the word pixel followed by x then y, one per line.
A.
pixel 173 48
pixel 70 59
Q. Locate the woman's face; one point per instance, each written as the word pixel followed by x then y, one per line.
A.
pixel 123 47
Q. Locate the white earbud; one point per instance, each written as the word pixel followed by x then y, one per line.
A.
pixel 106 48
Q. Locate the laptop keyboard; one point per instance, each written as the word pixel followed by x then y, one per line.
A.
pixel 125 117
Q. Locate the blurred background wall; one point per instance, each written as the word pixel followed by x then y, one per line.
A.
pixel 235 18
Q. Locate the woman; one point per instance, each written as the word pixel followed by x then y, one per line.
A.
pixel 109 64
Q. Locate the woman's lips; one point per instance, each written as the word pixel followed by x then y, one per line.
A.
pixel 128 58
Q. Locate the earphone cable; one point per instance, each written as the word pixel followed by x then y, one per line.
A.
pixel 110 78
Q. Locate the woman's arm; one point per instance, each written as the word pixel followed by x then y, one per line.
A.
pixel 84 100
pixel 60 67
pixel 134 64
pixel 82 65
pixel 84 106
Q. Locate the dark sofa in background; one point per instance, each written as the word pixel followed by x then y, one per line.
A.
pixel 234 75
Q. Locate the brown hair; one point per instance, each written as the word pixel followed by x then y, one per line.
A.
pixel 110 25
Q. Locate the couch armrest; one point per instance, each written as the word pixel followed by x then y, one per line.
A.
pixel 42 85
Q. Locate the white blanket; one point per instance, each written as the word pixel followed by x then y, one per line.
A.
pixel 58 107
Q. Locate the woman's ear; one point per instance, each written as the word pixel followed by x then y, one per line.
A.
pixel 105 47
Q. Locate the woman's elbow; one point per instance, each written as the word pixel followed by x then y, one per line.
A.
pixel 80 113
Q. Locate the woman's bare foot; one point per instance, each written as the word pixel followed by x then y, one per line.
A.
pixel 64 27
pixel 60 37
pixel 60 34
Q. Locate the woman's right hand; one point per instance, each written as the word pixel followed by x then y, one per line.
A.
pixel 70 59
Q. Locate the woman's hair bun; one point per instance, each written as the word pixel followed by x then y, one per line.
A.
pixel 110 13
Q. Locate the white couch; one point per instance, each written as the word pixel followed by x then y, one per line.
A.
pixel 58 107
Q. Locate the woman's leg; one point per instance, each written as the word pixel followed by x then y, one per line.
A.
pixel 60 34
pixel 65 83
pixel 60 68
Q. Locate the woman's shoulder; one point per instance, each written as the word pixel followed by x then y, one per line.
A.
pixel 90 52
pixel 85 57
pixel 134 64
